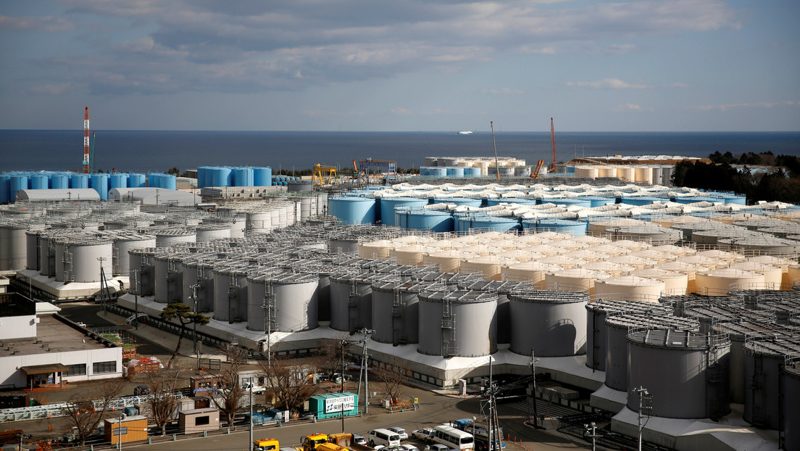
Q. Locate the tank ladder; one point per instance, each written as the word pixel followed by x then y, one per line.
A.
pixel 268 305
pixel 66 261
pixel 173 281
pixel 595 343
pixel 354 308
pixel 758 416
pixel 716 376
pixel 398 315
pixel 233 298
pixel 51 258
pixel 449 345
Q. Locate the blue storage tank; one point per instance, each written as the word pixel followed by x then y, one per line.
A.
pixel 494 223
pixel 118 181
pixel 691 200
pixel 242 176
pixel 38 181
pixel 458 201
pixel 15 183
pixel 568 201
pixel 169 181
pixel 59 180
pixel 429 171
pixel 262 176
pixel 644 200
pixel 136 180
pixel 577 228
pixel 352 210
pixel 472 172
pixel 203 176
pixel 4 188
pixel 510 200
pixel 433 220
pixel 99 183
pixel 78 181
pixel 455 172
pixel 388 206
pixel 598 201
pixel 220 176
pixel 734 199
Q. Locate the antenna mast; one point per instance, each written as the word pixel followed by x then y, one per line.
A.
pixel 494 146
pixel 86 150
pixel 553 144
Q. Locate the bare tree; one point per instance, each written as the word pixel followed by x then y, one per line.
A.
pixel 289 384
pixel 87 411
pixel 162 399
pixel 392 380
pixel 229 392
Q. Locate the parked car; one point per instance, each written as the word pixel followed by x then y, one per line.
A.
pixel 399 431
pixel 359 439
pixel 437 447
pixel 423 435
pixel 408 447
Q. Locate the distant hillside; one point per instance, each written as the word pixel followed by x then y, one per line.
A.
pixel 777 177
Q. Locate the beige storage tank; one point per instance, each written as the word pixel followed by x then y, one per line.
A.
pixel 606 171
pixel 690 269
pixel 629 288
pixel 721 281
pixel 586 172
pixel 533 272
pixel 612 269
pixel 675 283
pixel 644 174
pixel 381 249
pixel 655 255
pixel 793 276
pixel 706 262
pixel 729 257
pixel 446 261
pixel 487 266
pixel 632 260
pixel 610 250
pixel 410 255
pixel 602 228
pixel 564 261
pixel 675 250
pixel 627 173
pixel 773 276
pixel 574 280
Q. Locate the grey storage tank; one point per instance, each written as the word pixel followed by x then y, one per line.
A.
pixel 765 361
pixel 171 237
pixel 457 323
pixel 351 301
pixel 288 298
pixel 211 232
pixel 141 263
pixel 168 285
pixel 82 258
pixel 617 330
pixel 685 372
pixel 395 310
pixel 198 275
pixel 230 293
pixel 503 289
pixel 791 399
pixel 553 323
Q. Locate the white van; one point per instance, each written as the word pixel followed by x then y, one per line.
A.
pixel 383 437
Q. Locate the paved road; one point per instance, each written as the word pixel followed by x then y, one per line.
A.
pixel 434 409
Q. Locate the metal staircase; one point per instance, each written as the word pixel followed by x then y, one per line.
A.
pixel 449 345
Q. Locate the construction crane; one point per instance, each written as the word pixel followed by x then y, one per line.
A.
pixel 494 146
pixel 539 166
pixel 323 174
pixel 553 144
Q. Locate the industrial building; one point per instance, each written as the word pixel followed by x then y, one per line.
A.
pixel 39 348
pixel 644 169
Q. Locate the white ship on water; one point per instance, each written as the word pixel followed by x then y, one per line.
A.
pixel 465 132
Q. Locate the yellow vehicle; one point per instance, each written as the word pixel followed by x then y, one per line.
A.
pixel 331 447
pixel 266 444
pixel 313 441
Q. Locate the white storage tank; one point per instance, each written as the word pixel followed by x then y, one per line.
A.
pixel 376 250
pixel 123 244
pixel 574 280
pixel 83 258
pixel 259 221
pixel 552 323
pixel 457 324
pixel 212 232
pixel 289 299
pixel 171 237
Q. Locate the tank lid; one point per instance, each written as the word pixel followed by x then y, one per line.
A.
pixel 748 328
pixel 550 297
pixel 676 339
pixel 644 320
pixel 175 232
pixel 775 346
pixel 457 296
pixel 612 306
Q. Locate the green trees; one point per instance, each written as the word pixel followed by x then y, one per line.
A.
pixel 184 314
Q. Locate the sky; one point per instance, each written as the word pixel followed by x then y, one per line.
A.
pixel 401 65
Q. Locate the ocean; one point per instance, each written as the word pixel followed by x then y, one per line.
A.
pixel 144 151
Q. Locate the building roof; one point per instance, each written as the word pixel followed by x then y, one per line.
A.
pixel 54 334
pixel 47 195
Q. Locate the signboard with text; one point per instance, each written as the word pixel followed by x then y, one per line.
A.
pixel 344 403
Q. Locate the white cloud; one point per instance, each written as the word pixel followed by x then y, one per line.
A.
pixel 502 92
pixel 538 50
pixel 606 83
pixel 734 106
pixel 633 107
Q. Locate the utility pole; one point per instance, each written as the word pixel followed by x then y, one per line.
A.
pixel 266 305
pixel 250 386
pixel 644 403
pixel 137 285
pixel 591 430
pixel 490 390
pixel 102 285
pixel 533 388
pixel 194 323
pixel 119 432
pixel 341 406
